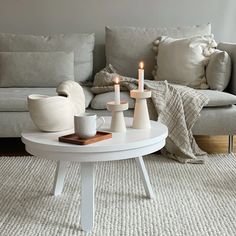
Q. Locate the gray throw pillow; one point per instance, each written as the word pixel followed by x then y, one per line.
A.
pixel 218 70
pixel 35 69
pixel 81 44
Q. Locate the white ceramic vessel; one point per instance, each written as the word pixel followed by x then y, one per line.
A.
pixel 86 125
pixel 56 113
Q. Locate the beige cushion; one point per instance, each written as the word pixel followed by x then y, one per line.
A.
pixel 218 99
pixel 35 69
pixel 81 44
pixel 15 99
pixel 218 70
pixel 182 61
pixel 127 46
pixel 99 102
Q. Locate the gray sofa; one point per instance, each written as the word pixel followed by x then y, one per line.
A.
pixel 124 49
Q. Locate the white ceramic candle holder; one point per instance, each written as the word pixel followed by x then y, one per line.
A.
pixel 117 121
pixel 141 116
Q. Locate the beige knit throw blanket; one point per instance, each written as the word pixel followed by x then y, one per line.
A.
pixel 178 107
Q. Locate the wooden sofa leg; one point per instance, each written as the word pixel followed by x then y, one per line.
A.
pixel 231 144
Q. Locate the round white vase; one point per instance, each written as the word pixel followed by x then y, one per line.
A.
pixel 51 113
pixel 56 113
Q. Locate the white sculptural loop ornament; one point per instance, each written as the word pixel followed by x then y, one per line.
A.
pixel 74 93
pixel 56 113
pixel 117 121
pixel 141 118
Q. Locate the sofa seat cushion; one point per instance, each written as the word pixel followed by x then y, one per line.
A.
pixel 15 99
pixel 212 120
pixel 218 99
pixel 99 102
pixel 216 121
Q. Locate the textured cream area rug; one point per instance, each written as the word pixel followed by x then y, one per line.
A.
pixel 191 199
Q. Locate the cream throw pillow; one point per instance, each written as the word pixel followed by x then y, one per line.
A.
pixel 183 61
pixel 218 70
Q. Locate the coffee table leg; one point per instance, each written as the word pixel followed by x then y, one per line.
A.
pixel 144 175
pixel 87 196
pixel 59 177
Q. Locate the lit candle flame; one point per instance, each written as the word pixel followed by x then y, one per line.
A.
pixel 116 80
pixel 141 65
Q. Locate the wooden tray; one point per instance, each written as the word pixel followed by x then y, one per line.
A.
pixel 74 139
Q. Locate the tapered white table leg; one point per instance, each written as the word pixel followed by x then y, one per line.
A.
pixel 144 175
pixel 59 177
pixel 87 196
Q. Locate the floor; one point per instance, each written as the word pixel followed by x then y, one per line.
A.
pixel 191 200
pixel 211 144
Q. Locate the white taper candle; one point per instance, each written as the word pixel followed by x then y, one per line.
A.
pixel 141 77
pixel 117 91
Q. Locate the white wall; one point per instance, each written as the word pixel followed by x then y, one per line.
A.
pixel 53 16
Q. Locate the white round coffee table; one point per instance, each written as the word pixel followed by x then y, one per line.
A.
pixel 133 144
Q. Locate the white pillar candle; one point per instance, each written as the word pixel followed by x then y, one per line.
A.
pixel 117 91
pixel 141 77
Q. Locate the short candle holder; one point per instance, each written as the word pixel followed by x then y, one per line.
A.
pixel 117 121
pixel 141 118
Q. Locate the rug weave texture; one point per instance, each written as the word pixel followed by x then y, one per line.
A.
pixel 191 199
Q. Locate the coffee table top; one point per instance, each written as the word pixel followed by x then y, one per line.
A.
pixel 120 146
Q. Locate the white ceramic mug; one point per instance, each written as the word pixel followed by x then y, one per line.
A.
pixel 86 125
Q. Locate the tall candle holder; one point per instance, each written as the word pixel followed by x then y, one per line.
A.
pixel 117 121
pixel 141 118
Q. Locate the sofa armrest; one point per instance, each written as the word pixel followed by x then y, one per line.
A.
pixel 230 48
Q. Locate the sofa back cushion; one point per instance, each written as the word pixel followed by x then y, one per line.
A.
pixel 126 47
pixel 35 69
pixel 81 44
